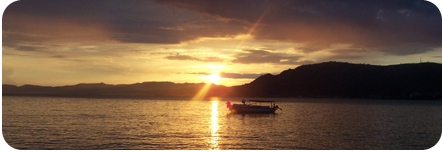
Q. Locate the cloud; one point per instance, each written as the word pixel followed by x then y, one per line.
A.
pixel 123 21
pixel 264 56
pixel 27 48
pixel 348 53
pixel 191 58
pixel 232 75
pixel 239 75
pixel 182 57
pixel 394 27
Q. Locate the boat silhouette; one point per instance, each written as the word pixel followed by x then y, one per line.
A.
pixel 253 106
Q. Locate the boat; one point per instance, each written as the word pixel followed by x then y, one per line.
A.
pixel 253 106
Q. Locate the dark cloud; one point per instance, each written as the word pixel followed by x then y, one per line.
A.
pixel 264 56
pixel 233 75
pixel 239 75
pixel 313 47
pixel 123 21
pixel 352 50
pixel 397 27
pixel 191 58
pixel 227 9
pixel 339 57
pixel 28 48
pixel 182 57
pixel 201 73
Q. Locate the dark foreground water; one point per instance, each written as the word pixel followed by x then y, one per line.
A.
pixel 83 123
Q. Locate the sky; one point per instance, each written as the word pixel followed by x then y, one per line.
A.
pixel 227 42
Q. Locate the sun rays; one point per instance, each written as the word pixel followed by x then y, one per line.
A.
pixel 214 78
pixel 202 93
pixel 254 27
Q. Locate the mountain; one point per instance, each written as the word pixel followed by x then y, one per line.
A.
pixel 145 89
pixel 337 79
pixel 329 79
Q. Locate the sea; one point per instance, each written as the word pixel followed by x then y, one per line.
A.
pixel 62 123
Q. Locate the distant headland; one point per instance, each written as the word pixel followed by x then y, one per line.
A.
pixel 324 80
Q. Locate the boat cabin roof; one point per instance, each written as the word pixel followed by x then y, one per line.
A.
pixel 260 101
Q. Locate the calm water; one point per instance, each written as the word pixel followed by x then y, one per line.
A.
pixel 83 123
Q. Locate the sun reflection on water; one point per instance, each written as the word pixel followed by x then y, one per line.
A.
pixel 214 140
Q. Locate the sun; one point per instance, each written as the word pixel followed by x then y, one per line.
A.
pixel 214 78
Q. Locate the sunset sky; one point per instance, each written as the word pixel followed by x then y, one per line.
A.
pixel 228 42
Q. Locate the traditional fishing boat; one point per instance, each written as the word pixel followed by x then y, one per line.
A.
pixel 253 106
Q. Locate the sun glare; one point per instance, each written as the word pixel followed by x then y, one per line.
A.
pixel 214 78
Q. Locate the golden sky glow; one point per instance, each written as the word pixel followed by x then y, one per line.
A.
pixel 117 42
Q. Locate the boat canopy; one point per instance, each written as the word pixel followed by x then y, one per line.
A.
pixel 260 101
pixel 272 103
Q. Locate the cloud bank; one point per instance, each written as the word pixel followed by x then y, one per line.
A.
pixel 398 27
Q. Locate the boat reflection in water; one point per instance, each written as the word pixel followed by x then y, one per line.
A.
pixel 214 127
pixel 253 106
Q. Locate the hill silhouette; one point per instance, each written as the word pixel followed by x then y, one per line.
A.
pixel 337 79
pixel 145 89
pixel 329 79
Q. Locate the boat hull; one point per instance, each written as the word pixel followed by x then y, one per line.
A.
pixel 251 109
